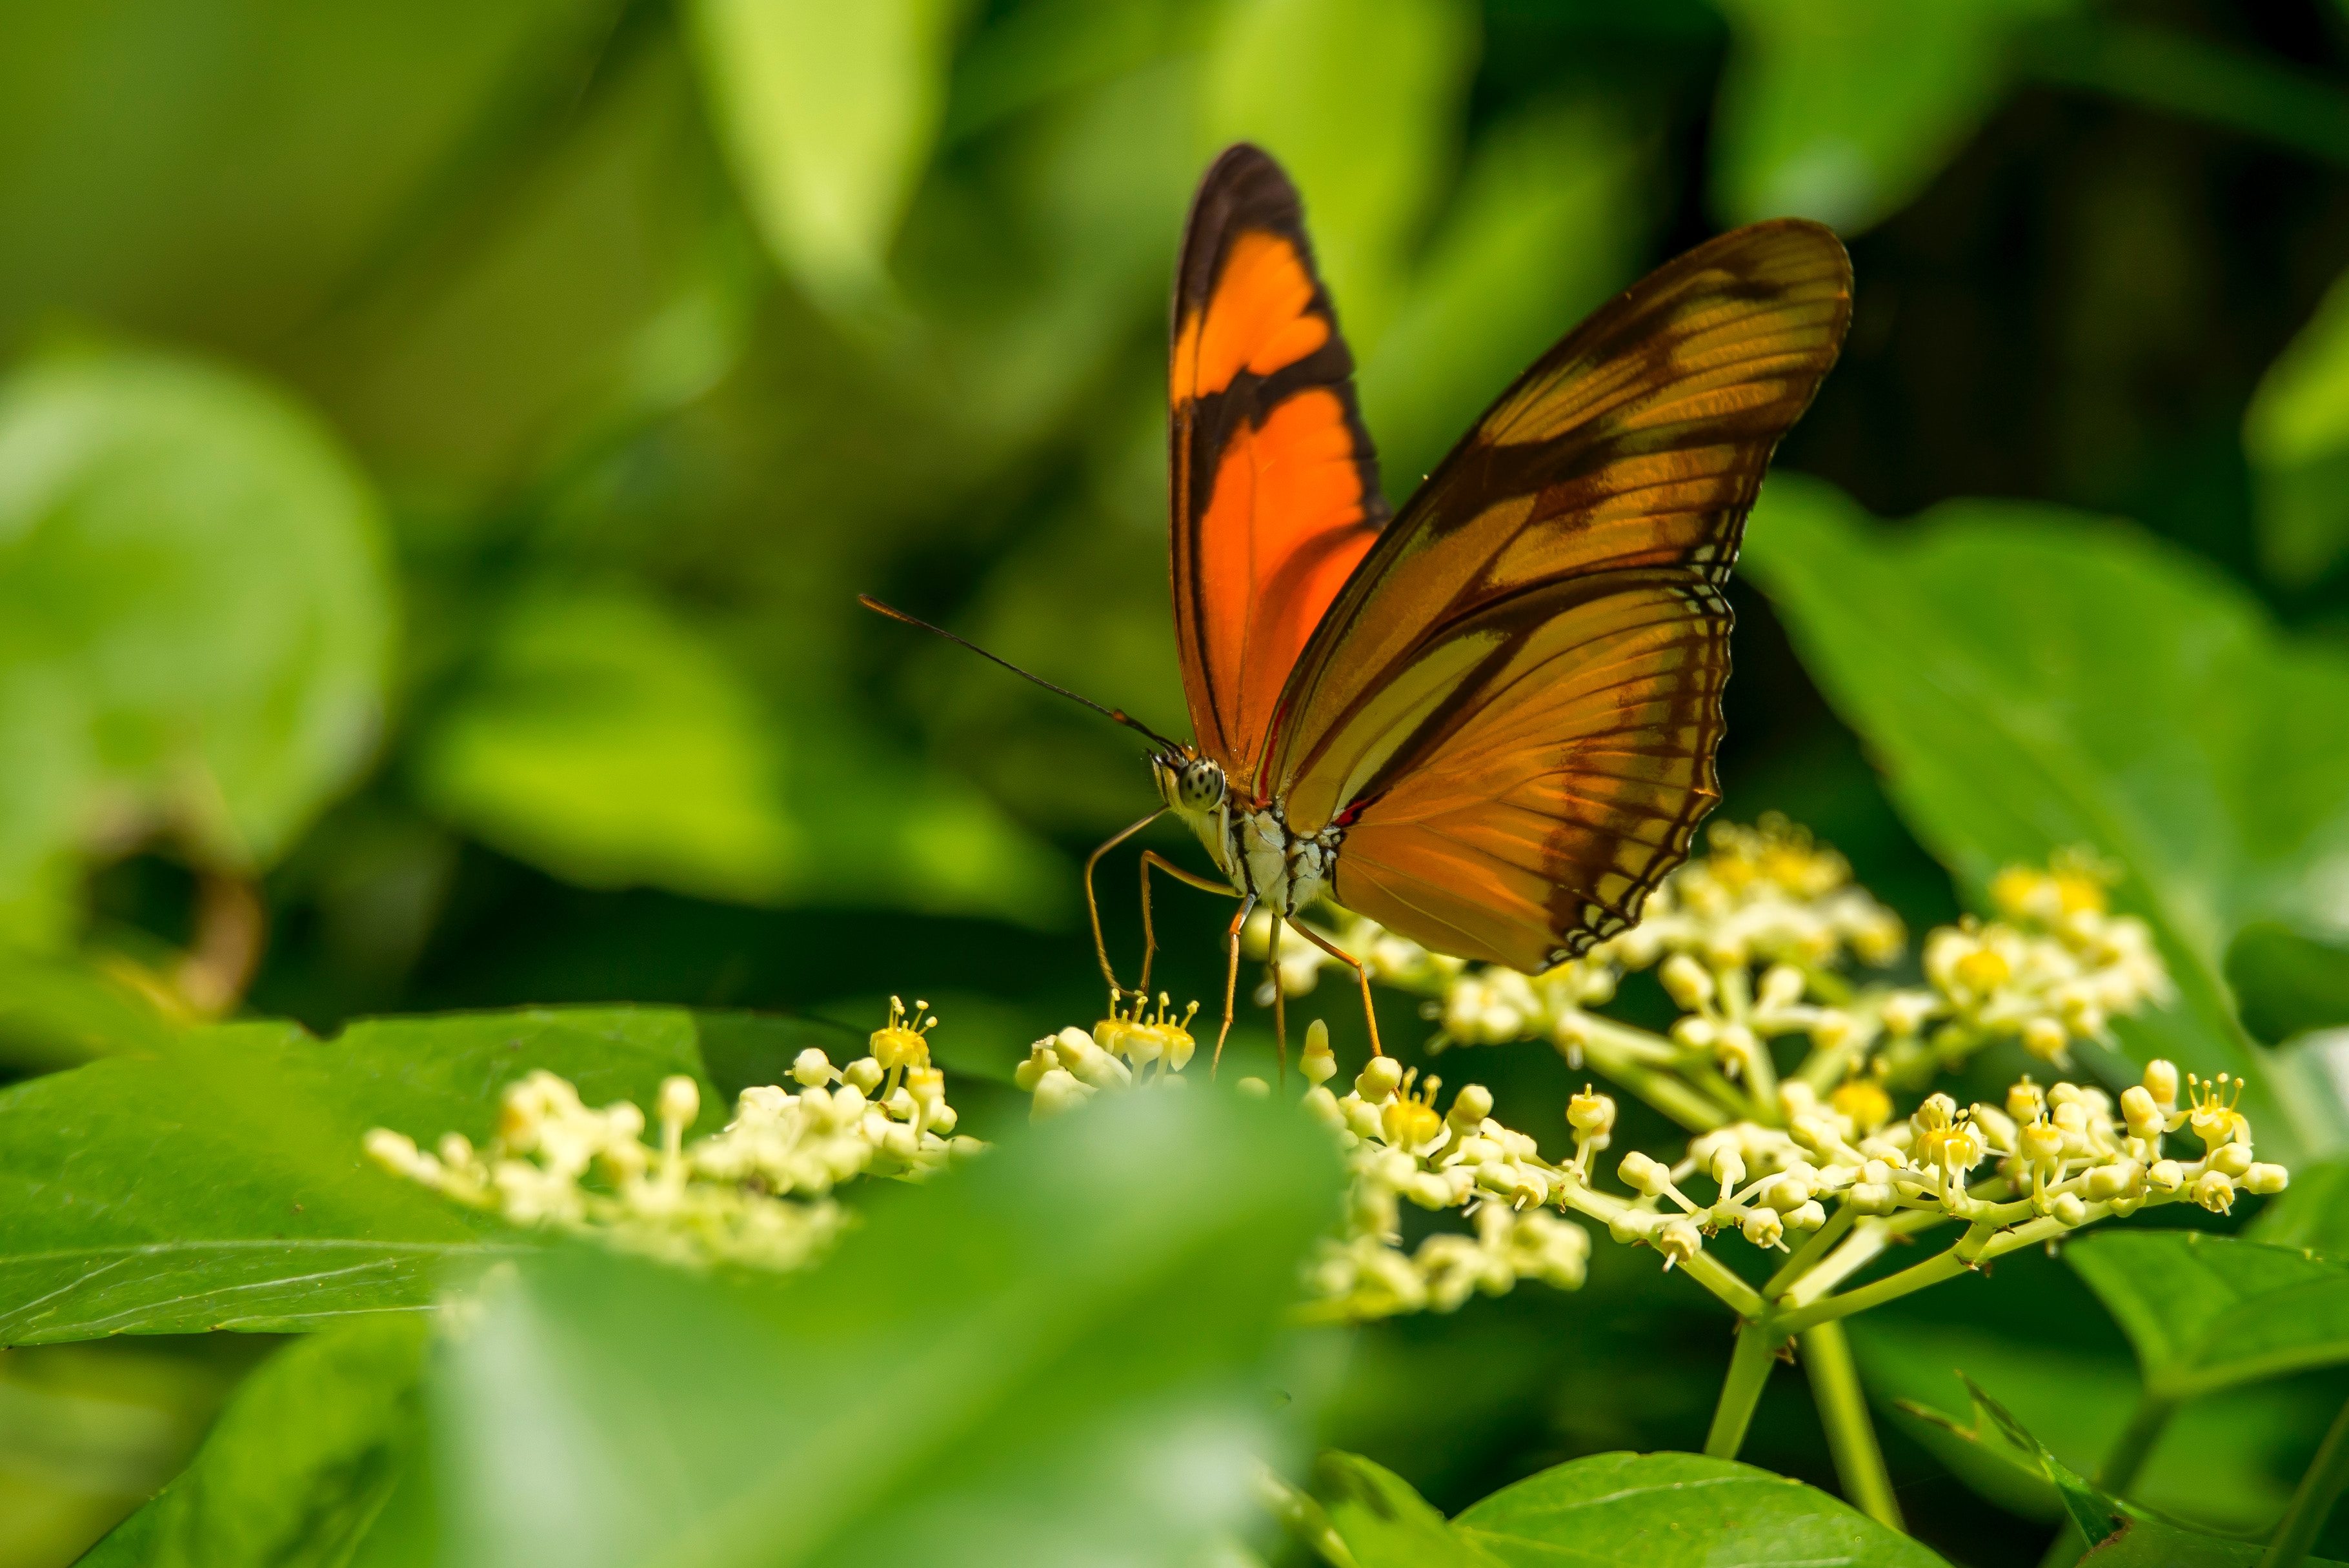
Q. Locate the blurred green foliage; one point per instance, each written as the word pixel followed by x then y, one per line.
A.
pixel 439 446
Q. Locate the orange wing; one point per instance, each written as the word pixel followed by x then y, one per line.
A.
pixel 1275 491
pixel 1512 708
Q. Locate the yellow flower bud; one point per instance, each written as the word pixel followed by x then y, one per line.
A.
pixel 1380 1077
pixel 1318 1064
pixel 1865 1102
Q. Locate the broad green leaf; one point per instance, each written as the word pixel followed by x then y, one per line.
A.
pixel 221 1184
pixel 1677 1510
pixel 299 1465
pixel 1359 99
pixel 1061 1354
pixel 1843 110
pixel 2206 1312
pixel 1548 222
pixel 603 737
pixel 828 113
pixel 2209 1466
pixel 2121 1534
pixel 89 1432
pixel 2286 984
pixel 2296 435
pixel 1386 1524
pixel 196 619
pixel 2312 1214
pixel 2029 679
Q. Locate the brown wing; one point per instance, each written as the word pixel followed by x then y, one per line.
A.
pixel 1513 706
pixel 1275 489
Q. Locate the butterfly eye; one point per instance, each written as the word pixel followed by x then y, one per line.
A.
pixel 1203 786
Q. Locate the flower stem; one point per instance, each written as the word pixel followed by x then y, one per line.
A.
pixel 2312 1501
pixel 1949 1265
pixel 1851 1436
pixel 2135 1444
pixel 1749 1369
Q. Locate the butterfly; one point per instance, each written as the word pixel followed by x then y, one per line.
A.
pixel 1488 721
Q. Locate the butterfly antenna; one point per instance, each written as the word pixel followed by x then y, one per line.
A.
pixel 1116 715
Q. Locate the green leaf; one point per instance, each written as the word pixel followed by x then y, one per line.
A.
pixel 604 739
pixel 1386 1524
pixel 1547 224
pixel 2122 1535
pixel 195 621
pixel 1843 110
pixel 221 1185
pixel 58 1013
pixel 1677 1510
pixel 2286 984
pixel 2209 1467
pixel 299 1465
pixel 828 114
pixel 1063 1353
pixel 2296 435
pixel 2206 1312
pixel 2029 679
pixel 1360 101
pixel 2312 1214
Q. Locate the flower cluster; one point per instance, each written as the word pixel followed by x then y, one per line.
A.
pixel 1752 942
pixel 758 1191
pixel 1400 1148
pixel 1134 1045
pixel 2049 1160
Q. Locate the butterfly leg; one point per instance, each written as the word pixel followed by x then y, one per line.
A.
pixel 1152 858
pixel 1231 977
pixel 1092 906
pixel 1362 974
pixel 1279 999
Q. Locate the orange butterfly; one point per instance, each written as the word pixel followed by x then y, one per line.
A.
pixel 1489 723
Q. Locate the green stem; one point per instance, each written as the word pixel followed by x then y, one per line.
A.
pixel 2312 1501
pixel 1851 1436
pixel 1821 1241
pixel 1668 1094
pixel 1891 1287
pixel 1749 1369
pixel 2135 1444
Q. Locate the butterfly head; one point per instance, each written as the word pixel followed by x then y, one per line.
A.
pixel 1191 784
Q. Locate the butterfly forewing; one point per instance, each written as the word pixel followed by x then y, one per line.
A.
pixel 1514 704
pixel 1276 493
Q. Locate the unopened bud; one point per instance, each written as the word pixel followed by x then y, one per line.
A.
pixel 2234 1158
pixel 2025 1100
pixel 2266 1180
pixel 2161 1082
pixel 680 1099
pixel 1254 1089
pixel 2144 1116
pixel 1318 1064
pixel 1782 987
pixel 1686 981
pixel 1643 1174
pixel 2043 1038
pixel 811 1067
pixel 2068 1210
pixel 1469 1108
pixel 1763 1227
pixel 1873 1198
pixel 2106 1183
pixel 1380 1077
pixel 1806 1217
pixel 2166 1175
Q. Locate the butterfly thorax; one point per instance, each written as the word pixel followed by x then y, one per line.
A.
pixel 1253 845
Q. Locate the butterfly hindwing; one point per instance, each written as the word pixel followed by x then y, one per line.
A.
pixel 1513 705
pixel 1275 488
